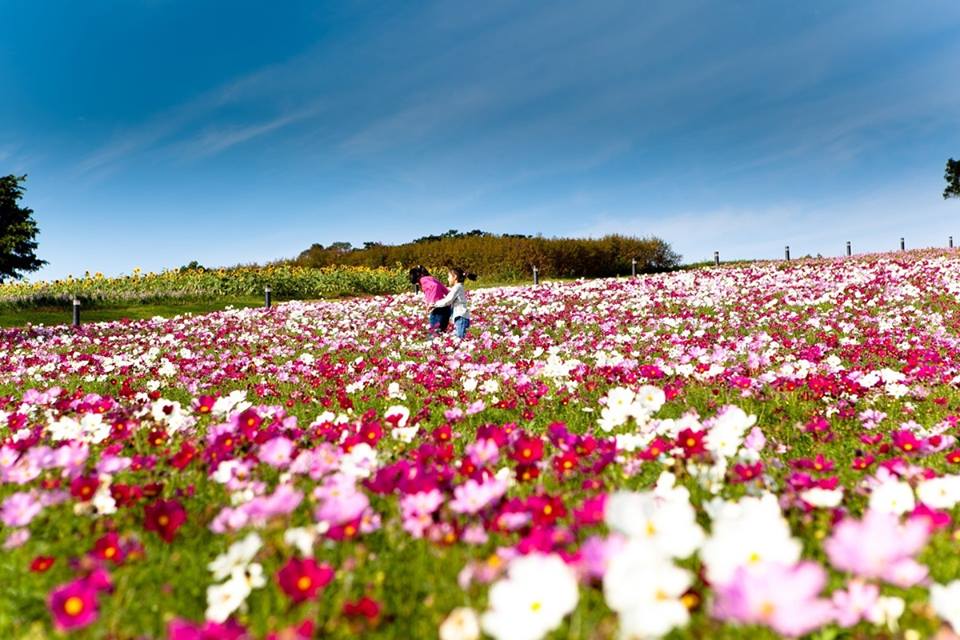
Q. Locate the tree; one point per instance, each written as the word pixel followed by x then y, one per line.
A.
pixel 952 176
pixel 340 247
pixel 17 231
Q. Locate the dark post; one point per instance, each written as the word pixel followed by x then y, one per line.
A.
pixel 903 245
pixel 76 313
pixel 716 258
pixel 786 252
pixel 633 267
pixel 536 276
pixel 849 250
pixel 266 297
pixel 951 242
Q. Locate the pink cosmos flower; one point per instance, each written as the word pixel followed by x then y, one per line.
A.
pixel 879 547
pixel 596 552
pixel 340 501
pixel 179 629
pixel 482 452
pixel 784 598
pixel 855 604
pixel 417 511
pixel 19 509
pixel 472 496
pixel 17 538
pixel 73 605
pixel 276 452
pixel 755 440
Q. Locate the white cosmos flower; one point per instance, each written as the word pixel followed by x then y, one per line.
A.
pixel 892 496
pixel 461 624
pixel 651 398
pixel 538 592
pixel 645 589
pixel 824 498
pixel 747 533
pixel 666 521
pixel 940 493
pixel 301 538
pixel 398 410
pixel 887 611
pixel 490 386
pixel 224 599
pixel 360 462
pixel 945 600
pixel 238 556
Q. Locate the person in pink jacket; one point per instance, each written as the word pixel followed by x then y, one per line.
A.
pixel 433 291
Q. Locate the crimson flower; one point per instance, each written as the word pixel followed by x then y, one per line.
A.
pixel 302 579
pixel 164 517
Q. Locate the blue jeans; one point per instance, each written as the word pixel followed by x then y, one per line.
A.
pixel 461 324
pixel 440 319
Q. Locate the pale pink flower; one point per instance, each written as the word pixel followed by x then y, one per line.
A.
pixel 879 546
pixel 483 452
pixel 19 509
pixel 856 603
pixel 472 496
pixel 784 598
pixel 276 452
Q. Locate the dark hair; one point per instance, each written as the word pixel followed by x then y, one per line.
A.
pixel 462 275
pixel 418 272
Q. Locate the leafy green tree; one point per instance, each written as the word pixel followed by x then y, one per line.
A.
pixel 340 247
pixel 952 176
pixel 17 231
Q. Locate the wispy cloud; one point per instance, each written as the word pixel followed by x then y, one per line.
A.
pixel 216 140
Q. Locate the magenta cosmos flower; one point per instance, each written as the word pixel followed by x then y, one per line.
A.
pixel 73 605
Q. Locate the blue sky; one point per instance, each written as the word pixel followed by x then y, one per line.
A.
pixel 156 132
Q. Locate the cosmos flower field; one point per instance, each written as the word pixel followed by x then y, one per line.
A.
pixel 757 451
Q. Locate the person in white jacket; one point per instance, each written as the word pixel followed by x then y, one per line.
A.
pixel 457 298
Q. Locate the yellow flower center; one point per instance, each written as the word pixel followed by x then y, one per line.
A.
pixel 303 583
pixel 73 606
pixel 535 606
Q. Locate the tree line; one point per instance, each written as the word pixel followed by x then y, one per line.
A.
pixel 506 257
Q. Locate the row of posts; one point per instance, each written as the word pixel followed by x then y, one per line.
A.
pixel 786 252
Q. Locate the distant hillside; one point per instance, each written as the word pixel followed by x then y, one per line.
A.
pixel 505 256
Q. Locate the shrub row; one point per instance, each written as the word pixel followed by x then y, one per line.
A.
pixel 510 257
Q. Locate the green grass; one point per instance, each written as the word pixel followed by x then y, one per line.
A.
pixel 63 315
pixel 10 317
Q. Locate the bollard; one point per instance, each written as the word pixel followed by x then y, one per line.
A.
pixel 716 258
pixel 849 250
pixel 536 276
pixel 951 242
pixel 903 245
pixel 76 313
pixel 266 297
pixel 633 267
pixel 786 252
